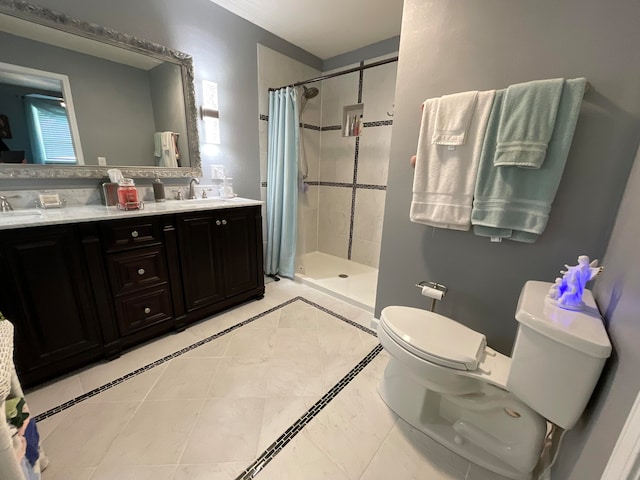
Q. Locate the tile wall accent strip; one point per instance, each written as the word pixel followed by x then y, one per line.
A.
pixel 363 186
pixel 263 184
pixel 331 184
pixel 118 381
pixel 377 123
pixel 276 447
pixel 368 186
pixel 381 123
pixel 360 82
pixel 354 190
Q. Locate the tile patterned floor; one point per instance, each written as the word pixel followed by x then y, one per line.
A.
pixel 257 392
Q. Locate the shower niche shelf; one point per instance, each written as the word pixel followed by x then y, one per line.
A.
pixel 352 120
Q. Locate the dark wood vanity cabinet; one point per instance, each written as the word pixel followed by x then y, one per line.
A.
pixel 219 267
pixel 137 268
pixel 79 292
pixel 45 290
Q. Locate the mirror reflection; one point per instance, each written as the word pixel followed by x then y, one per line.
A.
pixel 66 100
pixel 37 123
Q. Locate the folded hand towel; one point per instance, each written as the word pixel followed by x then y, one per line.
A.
pixel 526 123
pixel 444 178
pixel 453 118
pixel 165 149
pixel 515 203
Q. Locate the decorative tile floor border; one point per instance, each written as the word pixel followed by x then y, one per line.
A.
pixel 276 447
pixel 146 368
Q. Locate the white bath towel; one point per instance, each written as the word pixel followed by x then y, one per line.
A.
pixel 445 176
pixel 453 118
pixel 165 149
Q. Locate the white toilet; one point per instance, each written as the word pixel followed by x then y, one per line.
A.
pixel 443 379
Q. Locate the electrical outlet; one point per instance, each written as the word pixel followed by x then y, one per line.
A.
pixel 102 161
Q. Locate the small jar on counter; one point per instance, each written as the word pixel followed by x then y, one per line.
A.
pixel 127 195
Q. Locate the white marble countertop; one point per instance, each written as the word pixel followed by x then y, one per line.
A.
pixel 33 217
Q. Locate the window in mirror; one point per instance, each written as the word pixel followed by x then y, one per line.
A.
pixel 43 122
pixel 49 130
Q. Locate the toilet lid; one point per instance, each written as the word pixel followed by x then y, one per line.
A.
pixel 433 337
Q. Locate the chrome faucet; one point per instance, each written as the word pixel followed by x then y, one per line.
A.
pixel 5 206
pixel 192 191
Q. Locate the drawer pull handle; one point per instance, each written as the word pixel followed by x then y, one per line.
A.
pixel 141 271
pixel 134 234
pixel 224 222
pixel 147 310
pixel 218 222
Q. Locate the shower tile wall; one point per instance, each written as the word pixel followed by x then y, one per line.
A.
pixel 350 219
pixel 341 212
pixel 275 70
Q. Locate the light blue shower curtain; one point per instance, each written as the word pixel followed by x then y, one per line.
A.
pixel 282 182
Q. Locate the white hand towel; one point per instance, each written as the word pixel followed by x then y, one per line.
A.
pixel 453 118
pixel 444 179
pixel 165 149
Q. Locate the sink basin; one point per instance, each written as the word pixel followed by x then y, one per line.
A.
pixel 27 212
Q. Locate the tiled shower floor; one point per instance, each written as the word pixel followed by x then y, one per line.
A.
pixel 211 411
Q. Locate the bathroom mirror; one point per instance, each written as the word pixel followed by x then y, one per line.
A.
pixel 77 98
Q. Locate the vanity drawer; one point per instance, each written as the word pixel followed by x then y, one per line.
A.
pixel 143 309
pixel 134 270
pixel 124 234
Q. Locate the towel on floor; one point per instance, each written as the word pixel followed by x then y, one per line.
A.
pixel 165 149
pixel 453 118
pixel 444 176
pixel 512 202
pixel 526 123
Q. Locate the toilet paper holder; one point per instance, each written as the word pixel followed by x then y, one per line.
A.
pixel 433 290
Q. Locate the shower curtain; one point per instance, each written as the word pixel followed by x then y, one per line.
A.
pixel 282 182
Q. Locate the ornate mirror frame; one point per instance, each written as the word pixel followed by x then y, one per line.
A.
pixel 59 21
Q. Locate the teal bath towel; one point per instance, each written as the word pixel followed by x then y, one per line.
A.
pixel 512 202
pixel 526 123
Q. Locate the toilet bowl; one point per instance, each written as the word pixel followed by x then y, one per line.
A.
pixel 445 380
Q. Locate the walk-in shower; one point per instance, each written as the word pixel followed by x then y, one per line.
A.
pixel 343 176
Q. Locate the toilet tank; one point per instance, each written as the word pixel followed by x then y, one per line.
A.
pixel 558 355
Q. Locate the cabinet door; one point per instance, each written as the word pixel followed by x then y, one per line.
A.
pixel 240 250
pixel 45 292
pixel 201 260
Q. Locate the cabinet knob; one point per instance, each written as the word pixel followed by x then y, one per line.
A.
pixel 147 310
pixel 134 234
pixel 224 222
pixel 141 271
pixel 218 222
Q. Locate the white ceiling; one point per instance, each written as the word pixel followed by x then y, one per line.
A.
pixel 325 28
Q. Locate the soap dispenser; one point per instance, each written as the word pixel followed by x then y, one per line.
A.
pixel 158 190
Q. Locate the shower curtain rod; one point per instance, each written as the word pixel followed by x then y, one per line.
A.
pixel 337 74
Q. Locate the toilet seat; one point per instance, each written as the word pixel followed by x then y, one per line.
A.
pixel 433 337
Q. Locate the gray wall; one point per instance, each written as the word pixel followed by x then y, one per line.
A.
pixel 450 46
pixel 224 50
pixel 588 446
pixel 112 101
